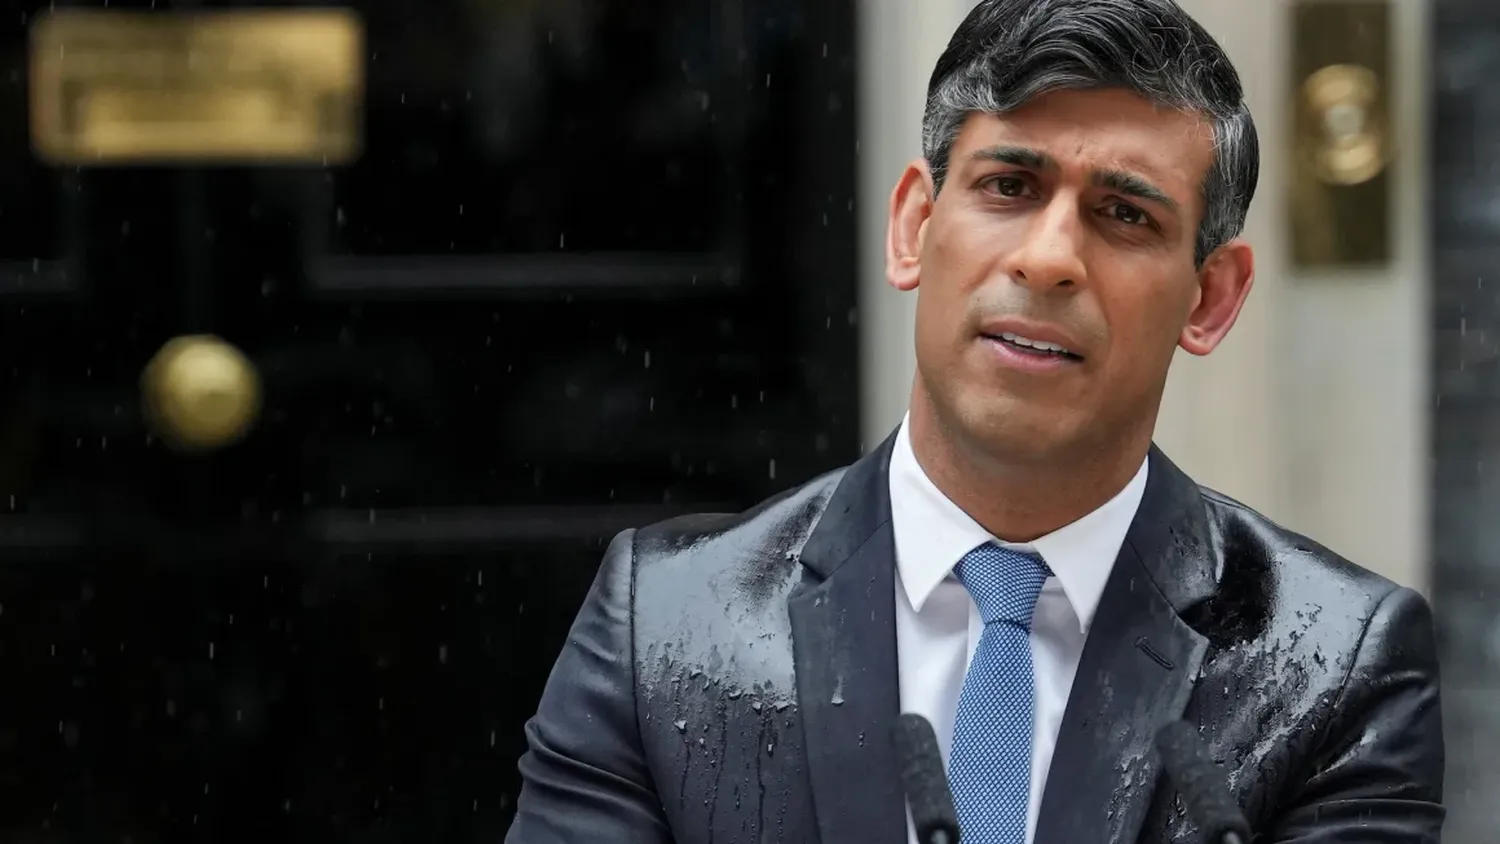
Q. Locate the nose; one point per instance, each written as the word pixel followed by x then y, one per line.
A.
pixel 1051 254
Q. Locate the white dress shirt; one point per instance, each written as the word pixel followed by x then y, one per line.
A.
pixel 938 625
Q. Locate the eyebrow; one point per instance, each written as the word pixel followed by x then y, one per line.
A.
pixel 1124 182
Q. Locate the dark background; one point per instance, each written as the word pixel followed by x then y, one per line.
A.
pixel 595 267
pixel 1465 438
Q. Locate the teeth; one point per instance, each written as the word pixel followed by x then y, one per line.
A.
pixel 1040 345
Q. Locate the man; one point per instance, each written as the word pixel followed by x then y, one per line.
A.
pixel 1017 562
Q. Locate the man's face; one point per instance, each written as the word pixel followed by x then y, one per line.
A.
pixel 1055 272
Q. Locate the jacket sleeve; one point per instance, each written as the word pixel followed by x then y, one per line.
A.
pixel 584 775
pixel 1381 779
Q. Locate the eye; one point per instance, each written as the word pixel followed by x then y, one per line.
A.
pixel 1007 186
pixel 1128 214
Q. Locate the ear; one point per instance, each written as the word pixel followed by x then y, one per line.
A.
pixel 911 206
pixel 1223 283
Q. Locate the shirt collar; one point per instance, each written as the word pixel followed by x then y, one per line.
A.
pixel 932 534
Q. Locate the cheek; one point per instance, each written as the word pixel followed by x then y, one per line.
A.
pixel 947 265
pixel 956 260
pixel 939 323
pixel 938 248
pixel 1145 330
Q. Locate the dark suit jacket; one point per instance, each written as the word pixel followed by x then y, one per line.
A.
pixel 733 678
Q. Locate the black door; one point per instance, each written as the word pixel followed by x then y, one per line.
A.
pixel 593 268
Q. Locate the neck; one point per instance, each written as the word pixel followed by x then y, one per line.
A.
pixel 1021 500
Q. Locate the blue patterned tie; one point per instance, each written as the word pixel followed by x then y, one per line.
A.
pixel 990 766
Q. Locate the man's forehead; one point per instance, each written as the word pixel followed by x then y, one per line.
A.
pixel 1121 132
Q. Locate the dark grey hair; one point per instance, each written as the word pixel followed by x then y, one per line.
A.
pixel 1007 52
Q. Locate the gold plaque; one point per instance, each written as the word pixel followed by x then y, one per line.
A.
pixel 1344 129
pixel 1339 187
pixel 245 86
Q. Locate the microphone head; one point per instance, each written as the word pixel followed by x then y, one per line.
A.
pixel 926 782
pixel 1202 784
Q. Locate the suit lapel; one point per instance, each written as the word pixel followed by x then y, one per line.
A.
pixel 844 642
pixel 1138 668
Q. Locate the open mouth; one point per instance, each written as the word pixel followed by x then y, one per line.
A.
pixel 1037 348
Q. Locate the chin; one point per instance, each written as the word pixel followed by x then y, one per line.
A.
pixel 1010 430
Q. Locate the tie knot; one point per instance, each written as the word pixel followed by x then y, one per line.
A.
pixel 1004 583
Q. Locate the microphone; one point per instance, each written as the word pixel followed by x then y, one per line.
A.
pixel 925 780
pixel 1202 784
